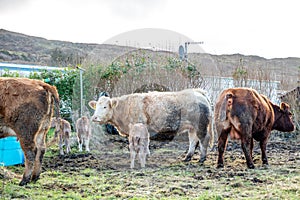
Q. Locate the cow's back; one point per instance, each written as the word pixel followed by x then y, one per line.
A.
pixel 83 125
pixel 25 101
pixel 65 126
pixel 15 94
pixel 168 111
pixel 244 106
pixel 138 130
pixel 164 113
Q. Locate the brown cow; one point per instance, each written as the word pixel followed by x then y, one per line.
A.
pixel 26 108
pixel 83 129
pixel 244 114
pixel 138 143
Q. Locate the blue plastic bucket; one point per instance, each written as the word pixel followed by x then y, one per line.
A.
pixel 10 152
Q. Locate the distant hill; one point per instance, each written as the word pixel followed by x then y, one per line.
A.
pixel 20 48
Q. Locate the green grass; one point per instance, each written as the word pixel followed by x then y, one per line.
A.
pixel 90 184
pixel 172 179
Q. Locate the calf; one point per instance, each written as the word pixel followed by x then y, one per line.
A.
pixel 64 136
pixel 55 124
pixel 63 131
pixel 26 108
pixel 245 115
pixel 138 143
pixel 83 129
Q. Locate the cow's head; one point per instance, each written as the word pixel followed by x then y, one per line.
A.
pixel 55 123
pixel 283 118
pixel 103 109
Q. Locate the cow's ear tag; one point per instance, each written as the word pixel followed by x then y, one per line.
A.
pixel 113 103
pixel 92 104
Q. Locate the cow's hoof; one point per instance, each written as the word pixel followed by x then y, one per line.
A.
pixel 265 166
pixel 251 166
pixel 35 178
pixel 202 160
pixel 265 163
pixel 220 165
pixel 187 159
pixel 24 182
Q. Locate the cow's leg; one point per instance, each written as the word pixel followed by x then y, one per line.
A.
pixel 41 149
pixel 246 146
pixel 222 143
pixel 142 157
pixel 193 140
pixel 203 145
pixel 147 149
pixel 80 141
pixel 61 148
pixel 263 147
pixel 30 155
pixel 87 143
pixel 251 148
pixel 67 144
pixel 132 156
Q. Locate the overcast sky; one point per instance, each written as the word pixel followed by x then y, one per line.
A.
pixel 267 28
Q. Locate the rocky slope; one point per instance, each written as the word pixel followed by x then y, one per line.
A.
pixel 20 48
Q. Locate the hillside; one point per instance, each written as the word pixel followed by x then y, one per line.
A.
pixel 20 48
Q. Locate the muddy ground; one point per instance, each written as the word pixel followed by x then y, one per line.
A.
pixel 165 170
pixel 105 173
pixel 113 153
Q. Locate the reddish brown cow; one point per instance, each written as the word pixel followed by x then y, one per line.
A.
pixel 26 108
pixel 245 114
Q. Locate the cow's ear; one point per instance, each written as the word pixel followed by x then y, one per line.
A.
pixel 92 104
pixel 284 106
pixel 113 103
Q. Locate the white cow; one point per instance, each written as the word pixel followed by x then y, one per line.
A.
pixel 164 113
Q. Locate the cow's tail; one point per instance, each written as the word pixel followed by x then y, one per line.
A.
pixel 55 99
pixel 210 126
pixel 211 129
pixel 211 119
pixel 225 107
pixel 55 102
